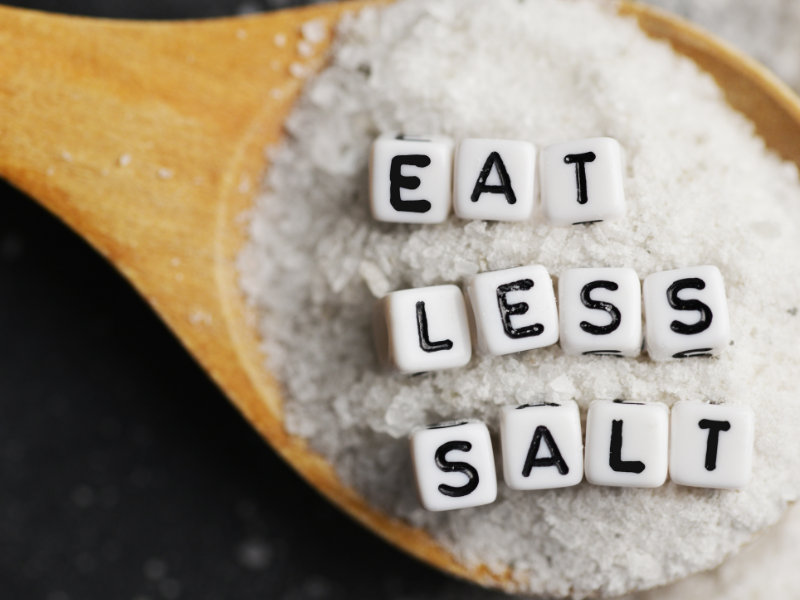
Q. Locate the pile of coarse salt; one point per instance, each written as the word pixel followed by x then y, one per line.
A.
pixel 701 189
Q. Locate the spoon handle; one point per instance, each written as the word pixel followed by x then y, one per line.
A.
pixel 147 139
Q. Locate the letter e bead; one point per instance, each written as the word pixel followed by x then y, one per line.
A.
pixel 453 465
pixel 627 443
pixel 422 329
pixel 514 309
pixel 711 445
pixel 542 445
pixel 411 178
pixel 686 312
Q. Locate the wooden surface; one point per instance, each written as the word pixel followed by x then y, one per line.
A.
pixel 148 138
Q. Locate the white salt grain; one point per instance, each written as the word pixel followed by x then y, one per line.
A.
pixel 304 48
pixel 700 188
pixel 280 40
pixel 298 70
pixel 314 31
pixel 164 173
pixel 124 160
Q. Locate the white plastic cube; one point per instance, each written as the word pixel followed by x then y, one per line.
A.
pixel 581 182
pixel 422 329
pixel 542 445
pixel 711 445
pixel 627 443
pixel 513 310
pixel 600 312
pixel 494 179
pixel 686 312
pixel 411 178
pixel 454 465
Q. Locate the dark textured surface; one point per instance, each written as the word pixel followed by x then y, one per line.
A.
pixel 124 473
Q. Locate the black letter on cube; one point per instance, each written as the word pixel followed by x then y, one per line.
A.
pixel 505 181
pixel 508 310
pixel 554 460
pixel 460 467
pixel 580 160
pixel 615 460
pixel 613 311
pixel 422 330
pixel 397 181
pixel 714 427
pixel 680 304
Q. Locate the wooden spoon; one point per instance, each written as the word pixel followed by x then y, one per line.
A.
pixel 148 140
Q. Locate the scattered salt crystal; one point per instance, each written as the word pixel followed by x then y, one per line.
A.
pixel 276 93
pixel 199 317
pixel 155 569
pixel 298 70
pixel 124 160
pixel 170 589
pixel 241 34
pixel 66 156
pixel 164 173
pixel 50 171
pixel 314 31
pixel 280 40
pixel 699 188
pixel 376 281
pixel 563 385
pixel 254 554
pixel 304 48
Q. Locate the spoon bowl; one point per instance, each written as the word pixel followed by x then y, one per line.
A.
pixel 148 140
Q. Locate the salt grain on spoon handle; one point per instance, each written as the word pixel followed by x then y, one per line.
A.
pixel 202 100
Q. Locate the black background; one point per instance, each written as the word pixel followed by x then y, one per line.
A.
pixel 124 473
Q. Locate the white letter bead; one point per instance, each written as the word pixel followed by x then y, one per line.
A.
pixel 422 329
pixel 411 178
pixel 514 309
pixel 600 312
pixel 581 182
pixel 542 445
pixel 453 465
pixel 711 445
pixel 494 180
pixel 627 443
pixel 686 312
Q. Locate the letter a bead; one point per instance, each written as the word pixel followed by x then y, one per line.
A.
pixel 711 445
pixel 627 443
pixel 411 178
pixel 542 445
pixel 514 310
pixel 453 465
pixel 422 329
pixel 494 179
